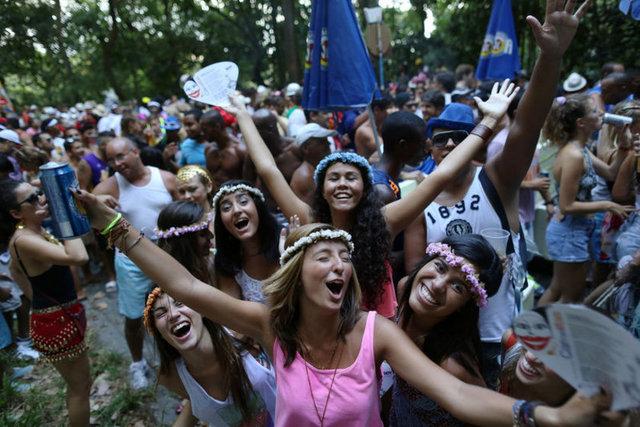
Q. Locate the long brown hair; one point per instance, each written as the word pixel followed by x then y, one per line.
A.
pixel 283 291
pixel 560 126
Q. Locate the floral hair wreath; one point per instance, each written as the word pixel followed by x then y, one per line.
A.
pixel 475 285
pixel 151 299
pixel 342 157
pixel 316 237
pixel 179 231
pixel 228 189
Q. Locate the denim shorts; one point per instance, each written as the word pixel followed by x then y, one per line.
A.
pixel 568 240
pixel 133 287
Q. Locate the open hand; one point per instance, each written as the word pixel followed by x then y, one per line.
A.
pixel 560 25
pixel 237 105
pixel 497 104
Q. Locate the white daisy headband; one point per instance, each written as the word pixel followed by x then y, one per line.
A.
pixel 315 237
pixel 475 285
pixel 179 231
pixel 228 189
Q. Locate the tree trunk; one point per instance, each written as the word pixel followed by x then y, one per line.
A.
pixel 62 50
pixel 108 47
pixel 291 54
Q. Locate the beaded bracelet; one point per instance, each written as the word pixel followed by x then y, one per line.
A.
pixel 110 226
pixel 525 415
pixel 482 131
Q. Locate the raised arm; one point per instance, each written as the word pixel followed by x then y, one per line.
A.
pixel 245 317
pixel 472 404
pixel 610 171
pixel 266 166
pixel 401 213
pixel 508 168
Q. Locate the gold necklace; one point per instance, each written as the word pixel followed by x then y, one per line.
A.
pixel 50 237
pixel 333 378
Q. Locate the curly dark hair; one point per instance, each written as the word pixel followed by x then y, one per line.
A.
pixel 229 249
pixel 458 336
pixel 369 234
pixel 184 248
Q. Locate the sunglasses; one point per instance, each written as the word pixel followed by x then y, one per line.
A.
pixel 32 199
pixel 441 139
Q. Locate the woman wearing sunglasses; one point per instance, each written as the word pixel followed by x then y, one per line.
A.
pixel 58 320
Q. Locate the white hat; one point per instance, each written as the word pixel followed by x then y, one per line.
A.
pixel 292 89
pixel 10 135
pixel 574 83
pixel 49 110
pixel 153 104
pixel 312 130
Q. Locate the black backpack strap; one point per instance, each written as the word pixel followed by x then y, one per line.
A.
pixel 494 198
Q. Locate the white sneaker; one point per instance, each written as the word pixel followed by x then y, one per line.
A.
pixel 137 371
pixel 25 351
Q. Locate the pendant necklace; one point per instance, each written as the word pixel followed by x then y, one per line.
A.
pixel 306 369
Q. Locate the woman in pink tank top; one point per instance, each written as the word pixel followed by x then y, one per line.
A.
pixel 326 353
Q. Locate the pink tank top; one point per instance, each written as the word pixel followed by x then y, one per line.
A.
pixel 354 399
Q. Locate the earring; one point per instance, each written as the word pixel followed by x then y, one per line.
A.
pixel 20 225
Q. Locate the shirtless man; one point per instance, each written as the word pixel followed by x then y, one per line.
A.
pixel 314 146
pixel 225 154
pixel 74 152
pixel 364 139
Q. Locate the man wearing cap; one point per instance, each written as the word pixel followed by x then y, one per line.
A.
pixel 314 146
pixel 111 122
pixel 52 127
pixel 225 154
pixel 170 142
pixel 295 114
pixel 9 141
pixel 488 197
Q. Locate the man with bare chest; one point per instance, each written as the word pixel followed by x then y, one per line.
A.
pixel 224 153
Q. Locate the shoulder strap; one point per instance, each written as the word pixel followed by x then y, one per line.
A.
pixel 494 198
pixel 15 249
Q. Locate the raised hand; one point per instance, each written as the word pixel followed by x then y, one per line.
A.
pixel 497 104
pixel 560 25
pixel 237 105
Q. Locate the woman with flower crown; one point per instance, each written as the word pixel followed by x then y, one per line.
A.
pixel 439 309
pixel 226 381
pixel 247 237
pixel 346 199
pixel 326 352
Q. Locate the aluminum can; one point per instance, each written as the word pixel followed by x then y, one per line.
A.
pixel 58 179
pixel 616 120
pixel 544 174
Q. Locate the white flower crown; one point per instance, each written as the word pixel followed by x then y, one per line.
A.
pixel 315 237
pixel 228 189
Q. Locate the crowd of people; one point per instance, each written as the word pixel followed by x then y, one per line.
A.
pixel 285 277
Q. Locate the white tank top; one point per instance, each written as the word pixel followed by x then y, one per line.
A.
pixel 251 288
pixel 142 205
pixel 223 413
pixel 471 215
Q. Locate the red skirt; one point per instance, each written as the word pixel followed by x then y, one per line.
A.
pixel 58 332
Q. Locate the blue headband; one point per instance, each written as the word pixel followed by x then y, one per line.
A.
pixel 342 157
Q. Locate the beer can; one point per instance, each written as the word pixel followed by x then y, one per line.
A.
pixel 544 174
pixel 58 179
pixel 616 120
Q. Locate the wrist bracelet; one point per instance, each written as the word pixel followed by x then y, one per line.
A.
pixel 135 242
pixel 484 132
pixel 525 416
pixel 516 412
pixel 624 149
pixel 110 226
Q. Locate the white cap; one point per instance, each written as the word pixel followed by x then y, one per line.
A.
pixel 292 89
pixel 312 130
pixel 574 83
pixel 10 135
pixel 49 110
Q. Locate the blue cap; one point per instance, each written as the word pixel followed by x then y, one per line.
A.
pixel 455 116
pixel 171 123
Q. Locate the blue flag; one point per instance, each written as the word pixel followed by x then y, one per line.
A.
pixel 338 72
pixel 634 5
pixel 499 57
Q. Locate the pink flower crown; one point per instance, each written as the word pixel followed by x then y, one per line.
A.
pixel 475 285
pixel 179 231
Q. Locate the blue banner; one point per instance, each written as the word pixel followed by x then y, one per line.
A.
pixel 634 5
pixel 338 73
pixel 499 57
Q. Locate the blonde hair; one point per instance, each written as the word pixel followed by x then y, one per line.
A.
pixel 283 290
pixel 608 137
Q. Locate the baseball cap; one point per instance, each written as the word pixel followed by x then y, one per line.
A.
pixel 312 130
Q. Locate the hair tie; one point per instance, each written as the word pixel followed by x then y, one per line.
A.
pixel 561 100
pixel 151 299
